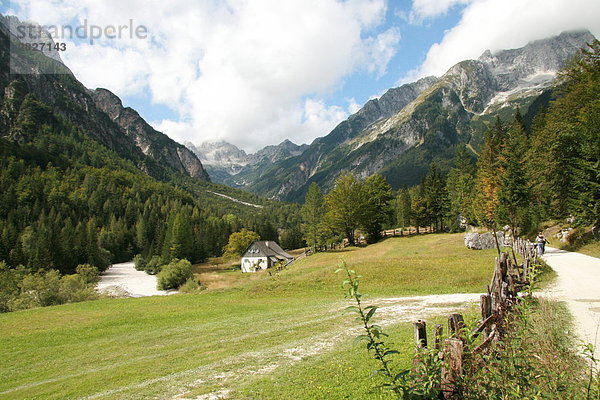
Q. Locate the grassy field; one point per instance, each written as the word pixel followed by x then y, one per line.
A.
pixel 257 337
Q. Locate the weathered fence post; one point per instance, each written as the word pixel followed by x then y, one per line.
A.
pixel 452 369
pixel 420 333
pixel 486 310
pixel 456 325
pixel 439 331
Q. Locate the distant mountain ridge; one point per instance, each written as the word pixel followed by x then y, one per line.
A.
pixel 399 134
pixel 98 113
pixel 227 164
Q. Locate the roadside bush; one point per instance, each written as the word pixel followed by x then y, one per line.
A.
pixel 154 266
pixel 88 273
pixel 139 263
pixel 192 286
pixel 174 274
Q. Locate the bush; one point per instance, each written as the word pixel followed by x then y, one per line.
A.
pixel 154 266
pixel 139 263
pixel 192 286
pixel 88 273
pixel 174 274
pixel 10 279
pixel 74 288
pixel 48 289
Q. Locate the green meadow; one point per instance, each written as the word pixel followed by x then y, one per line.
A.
pixel 258 337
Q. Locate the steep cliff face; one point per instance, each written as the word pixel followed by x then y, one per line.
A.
pixel 326 157
pixel 152 143
pixel 99 114
pixel 399 134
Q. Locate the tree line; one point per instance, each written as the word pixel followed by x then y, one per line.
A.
pixel 352 204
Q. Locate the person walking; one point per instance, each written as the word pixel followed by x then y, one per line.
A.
pixel 540 242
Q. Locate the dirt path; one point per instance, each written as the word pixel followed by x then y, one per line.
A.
pixel 126 277
pixel 253 365
pixel 578 284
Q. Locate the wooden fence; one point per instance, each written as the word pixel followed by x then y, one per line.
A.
pixel 509 278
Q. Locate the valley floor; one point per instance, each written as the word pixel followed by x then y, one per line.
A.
pixel 268 337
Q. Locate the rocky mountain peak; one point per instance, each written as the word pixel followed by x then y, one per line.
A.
pixel 398 134
pixel 29 32
pixel 151 142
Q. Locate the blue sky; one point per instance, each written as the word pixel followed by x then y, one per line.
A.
pixel 256 72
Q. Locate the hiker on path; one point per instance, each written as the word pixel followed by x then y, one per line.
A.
pixel 540 242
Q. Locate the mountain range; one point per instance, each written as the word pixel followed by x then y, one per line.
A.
pixel 400 133
pixel 99 113
pixel 229 165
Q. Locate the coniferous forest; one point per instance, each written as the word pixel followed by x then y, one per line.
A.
pixel 67 200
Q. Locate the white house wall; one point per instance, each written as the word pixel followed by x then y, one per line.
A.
pixel 249 264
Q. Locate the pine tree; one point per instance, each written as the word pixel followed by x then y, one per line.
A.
pixel 403 209
pixel 181 245
pixel 436 197
pixel 487 183
pixel 514 194
pixel 376 209
pixel 312 213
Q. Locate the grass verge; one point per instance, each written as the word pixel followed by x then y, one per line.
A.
pixel 537 359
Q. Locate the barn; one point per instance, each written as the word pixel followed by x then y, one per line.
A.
pixel 262 255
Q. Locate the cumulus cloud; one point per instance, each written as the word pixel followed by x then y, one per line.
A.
pixel 503 24
pixel 423 9
pixel 252 72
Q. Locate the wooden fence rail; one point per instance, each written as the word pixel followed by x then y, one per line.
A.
pixel 509 278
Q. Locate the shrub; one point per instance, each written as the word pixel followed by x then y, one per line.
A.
pixel 192 286
pixel 174 274
pixel 88 273
pixel 49 289
pixel 154 266
pixel 74 288
pixel 38 290
pixel 139 262
pixel 9 284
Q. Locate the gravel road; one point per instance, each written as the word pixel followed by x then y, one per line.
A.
pixel 578 284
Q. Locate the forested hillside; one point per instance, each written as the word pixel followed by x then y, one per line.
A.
pixel 68 200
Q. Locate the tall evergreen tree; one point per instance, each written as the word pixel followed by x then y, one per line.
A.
pixel 312 213
pixel 487 183
pixel 403 209
pixel 459 185
pixel 514 194
pixel 376 208
pixel 436 197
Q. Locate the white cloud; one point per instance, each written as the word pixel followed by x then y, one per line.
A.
pixel 379 50
pixel 353 106
pixel 505 24
pixel 422 9
pixel 240 70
